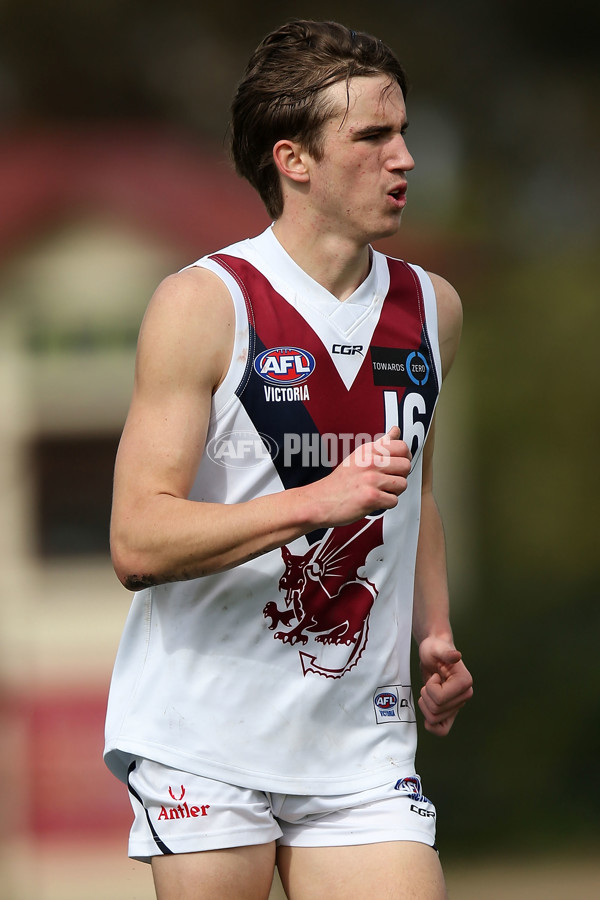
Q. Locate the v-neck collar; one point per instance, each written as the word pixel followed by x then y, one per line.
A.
pixel 277 258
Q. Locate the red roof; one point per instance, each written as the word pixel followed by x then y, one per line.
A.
pixel 183 192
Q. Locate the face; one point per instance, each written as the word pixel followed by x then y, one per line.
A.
pixel 358 187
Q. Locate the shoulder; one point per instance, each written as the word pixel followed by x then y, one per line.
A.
pixel 190 317
pixel 194 298
pixel 449 306
pixel 191 290
pixel 450 319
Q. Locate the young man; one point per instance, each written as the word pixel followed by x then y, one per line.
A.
pixel 273 507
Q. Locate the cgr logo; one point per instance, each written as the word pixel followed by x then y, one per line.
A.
pixel 285 365
pixel 426 813
pixel 347 349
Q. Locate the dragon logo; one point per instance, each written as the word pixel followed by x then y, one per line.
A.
pixel 328 598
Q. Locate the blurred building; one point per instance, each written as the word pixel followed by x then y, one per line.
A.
pixel 90 222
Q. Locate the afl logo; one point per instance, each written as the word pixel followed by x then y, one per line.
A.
pixel 284 365
pixel 386 701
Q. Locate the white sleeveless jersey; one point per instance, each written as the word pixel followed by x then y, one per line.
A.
pixel 290 673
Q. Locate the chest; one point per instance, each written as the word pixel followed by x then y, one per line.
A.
pixel 315 386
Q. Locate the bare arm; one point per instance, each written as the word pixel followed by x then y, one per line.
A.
pixel 447 683
pixel 157 533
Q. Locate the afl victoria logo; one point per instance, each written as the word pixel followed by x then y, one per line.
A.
pixel 386 701
pixel 284 365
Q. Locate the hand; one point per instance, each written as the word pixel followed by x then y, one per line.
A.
pixel 369 479
pixel 447 684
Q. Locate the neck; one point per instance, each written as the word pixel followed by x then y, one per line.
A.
pixel 333 261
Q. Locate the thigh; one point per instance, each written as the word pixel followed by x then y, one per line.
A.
pixel 394 870
pixel 238 873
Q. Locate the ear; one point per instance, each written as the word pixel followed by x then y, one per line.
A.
pixel 291 161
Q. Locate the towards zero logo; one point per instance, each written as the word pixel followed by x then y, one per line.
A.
pixel 417 367
pixel 285 365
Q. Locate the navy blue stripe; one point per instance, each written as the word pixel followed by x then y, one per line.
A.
pixel 159 843
pixel 276 420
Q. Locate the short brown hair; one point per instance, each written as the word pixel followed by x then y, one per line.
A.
pixel 279 95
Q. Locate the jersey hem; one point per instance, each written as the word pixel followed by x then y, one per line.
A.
pixel 117 758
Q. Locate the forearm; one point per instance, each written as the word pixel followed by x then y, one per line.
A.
pixel 431 612
pixel 172 539
pixel 158 536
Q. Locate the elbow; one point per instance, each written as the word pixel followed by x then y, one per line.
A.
pixel 138 569
pixel 136 582
pixel 133 570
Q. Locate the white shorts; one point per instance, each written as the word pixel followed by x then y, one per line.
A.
pixel 176 812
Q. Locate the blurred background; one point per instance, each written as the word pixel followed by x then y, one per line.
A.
pixel 113 173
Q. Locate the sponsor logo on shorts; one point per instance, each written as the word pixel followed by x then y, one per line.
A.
pixel 393 703
pixel 182 810
pixel 421 811
pixel 412 787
